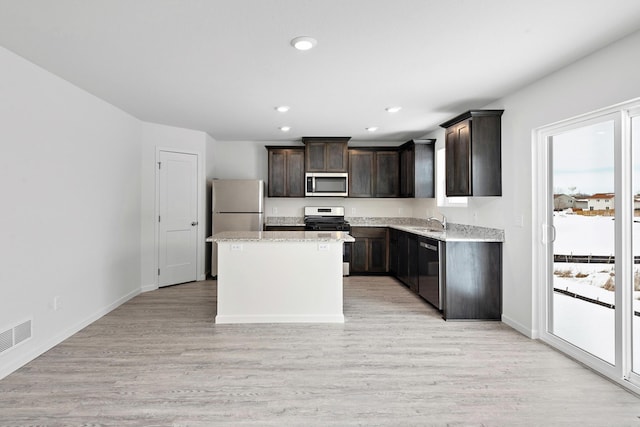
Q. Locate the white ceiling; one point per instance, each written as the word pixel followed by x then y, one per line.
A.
pixel 221 66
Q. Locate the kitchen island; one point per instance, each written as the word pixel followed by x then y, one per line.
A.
pixel 280 276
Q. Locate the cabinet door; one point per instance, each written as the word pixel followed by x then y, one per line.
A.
pixel 359 255
pixel 393 252
pixel 424 171
pixel 458 159
pixel 386 174
pixel 295 173
pixel 403 257
pixel 336 157
pixel 407 172
pixel 286 172
pixel 277 173
pixel 412 262
pixel 378 255
pixel 361 171
pixel 315 156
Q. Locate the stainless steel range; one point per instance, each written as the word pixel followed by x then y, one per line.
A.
pixel 329 218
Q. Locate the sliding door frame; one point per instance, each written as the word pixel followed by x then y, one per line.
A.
pixel 543 235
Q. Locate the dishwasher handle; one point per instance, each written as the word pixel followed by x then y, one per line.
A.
pixel 428 246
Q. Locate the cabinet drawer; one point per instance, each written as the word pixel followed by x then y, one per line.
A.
pixel 369 232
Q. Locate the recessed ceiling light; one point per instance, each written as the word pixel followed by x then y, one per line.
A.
pixel 393 109
pixel 372 129
pixel 285 128
pixel 282 109
pixel 304 43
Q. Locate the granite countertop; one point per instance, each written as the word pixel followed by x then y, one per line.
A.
pixel 281 236
pixel 285 221
pixel 423 227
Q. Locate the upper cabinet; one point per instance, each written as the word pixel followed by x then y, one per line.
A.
pixel 416 168
pixel 373 172
pixel 286 171
pixel 326 154
pixel 473 154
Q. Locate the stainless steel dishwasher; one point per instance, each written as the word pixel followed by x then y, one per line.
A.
pixel 429 271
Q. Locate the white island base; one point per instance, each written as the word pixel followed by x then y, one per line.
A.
pixel 280 277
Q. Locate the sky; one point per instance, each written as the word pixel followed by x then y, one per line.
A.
pixel 583 159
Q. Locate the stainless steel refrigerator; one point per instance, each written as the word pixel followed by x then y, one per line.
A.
pixel 237 205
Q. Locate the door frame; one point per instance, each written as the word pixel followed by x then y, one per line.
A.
pixel 200 201
pixel 543 233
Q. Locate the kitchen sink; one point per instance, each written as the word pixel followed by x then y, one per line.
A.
pixel 429 229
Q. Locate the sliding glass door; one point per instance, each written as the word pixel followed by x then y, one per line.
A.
pixel 583 281
pixel 635 309
pixel 588 210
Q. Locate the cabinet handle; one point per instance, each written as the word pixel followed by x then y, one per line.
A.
pixel 428 246
pixel 194 223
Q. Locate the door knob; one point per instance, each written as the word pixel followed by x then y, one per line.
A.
pixel 194 223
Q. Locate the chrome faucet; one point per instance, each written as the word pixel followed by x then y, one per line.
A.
pixel 443 223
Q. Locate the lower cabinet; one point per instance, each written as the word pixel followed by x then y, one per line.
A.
pixel 472 283
pixel 284 228
pixel 407 259
pixel 393 251
pixel 462 279
pixel 369 252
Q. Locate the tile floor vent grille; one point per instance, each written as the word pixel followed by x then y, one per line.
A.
pixel 14 336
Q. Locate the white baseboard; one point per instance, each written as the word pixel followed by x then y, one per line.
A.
pixel 23 359
pixel 147 288
pixel 524 330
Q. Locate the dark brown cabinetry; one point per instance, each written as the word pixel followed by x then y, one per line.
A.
pixel 463 279
pixel 472 282
pixel 473 154
pixel 369 251
pixel 407 258
pixel 286 171
pixel 373 172
pixel 326 154
pixel 393 252
pixel 284 228
pixel 417 176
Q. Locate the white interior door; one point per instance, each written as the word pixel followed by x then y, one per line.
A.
pixel 178 218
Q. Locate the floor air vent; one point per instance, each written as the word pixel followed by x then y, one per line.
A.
pixel 14 336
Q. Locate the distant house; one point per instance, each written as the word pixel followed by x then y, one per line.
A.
pixel 582 204
pixel 563 201
pixel 600 202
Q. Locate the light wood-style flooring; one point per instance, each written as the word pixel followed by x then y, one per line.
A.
pixel 159 360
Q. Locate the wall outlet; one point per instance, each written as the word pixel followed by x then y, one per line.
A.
pixel 274 210
pixel 400 211
pixel 55 303
pixel 353 211
pixel 519 220
pixel 323 247
pixel 236 247
pixel 475 217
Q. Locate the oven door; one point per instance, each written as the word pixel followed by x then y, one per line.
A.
pixel 327 184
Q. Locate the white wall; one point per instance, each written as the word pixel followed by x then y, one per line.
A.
pixel 154 138
pixel 604 78
pixel 70 221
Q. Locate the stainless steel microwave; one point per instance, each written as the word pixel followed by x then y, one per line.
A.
pixel 327 184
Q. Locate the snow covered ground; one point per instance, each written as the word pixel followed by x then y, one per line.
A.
pixel 587 325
